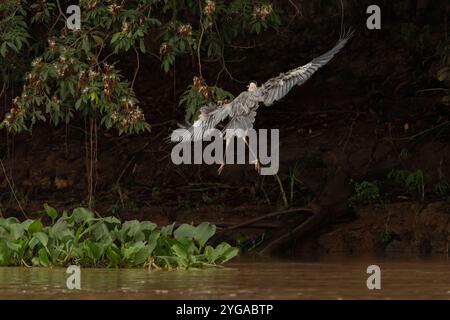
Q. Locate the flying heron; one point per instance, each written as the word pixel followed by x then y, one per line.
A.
pixel 242 110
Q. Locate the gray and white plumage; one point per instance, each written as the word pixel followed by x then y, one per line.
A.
pixel 242 110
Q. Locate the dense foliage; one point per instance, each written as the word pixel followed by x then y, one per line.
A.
pixel 82 239
pixel 65 72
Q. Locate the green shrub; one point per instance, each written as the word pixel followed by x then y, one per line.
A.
pixel 63 73
pixel 413 183
pixel 366 193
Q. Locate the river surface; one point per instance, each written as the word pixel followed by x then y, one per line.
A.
pixel 339 278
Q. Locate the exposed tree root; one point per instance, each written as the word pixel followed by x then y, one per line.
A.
pixel 331 203
pixel 303 229
pixel 266 216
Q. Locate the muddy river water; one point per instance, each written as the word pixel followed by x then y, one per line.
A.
pixel 249 278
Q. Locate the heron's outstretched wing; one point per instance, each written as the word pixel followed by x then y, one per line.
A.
pixel 276 88
pixel 239 125
pixel 210 116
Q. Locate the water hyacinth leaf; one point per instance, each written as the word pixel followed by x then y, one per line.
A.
pixel 184 231
pixel 209 251
pixel 111 222
pixel 142 255
pixel 147 225
pixel 43 258
pixel 130 252
pixel 12 220
pixel 100 231
pixel 60 230
pixel 229 254
pixel 35 261
pixel 118 234
pixel 16 230
pixel 113 254
pixel 180 259
pixel 33 242
pixel 3 232
pixel 26 224
pixel 223 252
pixel 153 240
pixel 131 228
pixel 77 253
pixel 36 226
pixel 79 233
pixel 180 252
pixel 51 212
pixel 189 245
pixel 13 246
pixel 82 215
pixel 167 230
pixel 203 232
pixel 42 238
pixel 93 250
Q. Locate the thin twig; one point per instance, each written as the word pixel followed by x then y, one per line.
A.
pixel 60 10
pixel 137 67
pixel 297 10
pixel 200 41
pixel 12 189
pixel 3 89
pixel 422 132
pixel 269 215
pixel 432 90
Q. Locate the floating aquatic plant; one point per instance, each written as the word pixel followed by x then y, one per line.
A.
pixel 83 239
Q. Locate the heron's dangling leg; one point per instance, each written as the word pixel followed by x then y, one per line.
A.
pixel 257 163
pixel 219 171
pixel 227 143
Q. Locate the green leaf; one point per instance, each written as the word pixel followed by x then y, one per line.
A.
pixel 113 254
pixel 98 40
pixel 42 237
pixel 26 224
pixel 153 240
pixel 142 45
pixel 131 228
pixel 51 212
pixel 115 37
pixel 60 230
pixel 203 232
pixel 181 253
pixel 222 252
pixel 141 256
pixel 17 230
pixel 43 258
pixel 184 231
pixel 111 220
pixel 34 227
pixel 147 225
pixel 82 215
pixel 167 230
pixel 13 246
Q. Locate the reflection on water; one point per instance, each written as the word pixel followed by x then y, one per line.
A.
pixel 244 279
